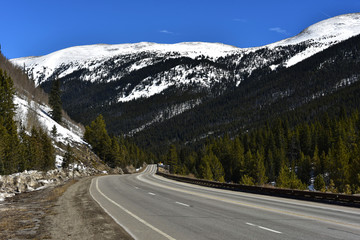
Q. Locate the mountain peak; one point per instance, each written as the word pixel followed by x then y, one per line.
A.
pixel 330 30
pixel 134 56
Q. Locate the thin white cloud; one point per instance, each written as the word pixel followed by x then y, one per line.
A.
pixel 325 14
pixel 279 30
pixel 166 31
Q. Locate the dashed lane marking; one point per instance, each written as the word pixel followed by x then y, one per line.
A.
pixel 183 204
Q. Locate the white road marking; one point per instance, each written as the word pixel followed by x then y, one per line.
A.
pixel 240 203
pixel 264 228
pixel 269 229
pixel 271 198
pixel 132 214
pixel 183 204
pixel 152 193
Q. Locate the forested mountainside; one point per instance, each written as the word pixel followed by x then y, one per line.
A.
pixel 295 128
pixel 285 113
pixel 30 138
pixel 322 83
pixel 323 154
pixel 137 87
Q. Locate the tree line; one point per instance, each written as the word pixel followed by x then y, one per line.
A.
pixel 114 151
pixel 21 150
pixel 325 152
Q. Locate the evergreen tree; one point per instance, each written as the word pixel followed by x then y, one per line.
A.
pixel 117 154
pixel 8 132
pixel 2 146
pixel 288 179
pixel 283 180
pixel 54 132
pixel 205 170
pixel 270 166
pixel 261 177
pixel 237 156
pixel 68 157
pixel 55 101
pixel 173 159
pixel 305 139
pixel 7 106
pixel 316 161
pixel 216 167
pixel 340 164
pixel 48 152
pixel 247 180
pixel 319 183
pixel 304 168
pixel 96 135
pixel 190 162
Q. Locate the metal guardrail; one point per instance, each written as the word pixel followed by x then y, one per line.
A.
pixel 335 198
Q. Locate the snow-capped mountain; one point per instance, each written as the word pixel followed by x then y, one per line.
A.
pixel 322 35
pixel 101 60
pixel 116 79
pixel 68 60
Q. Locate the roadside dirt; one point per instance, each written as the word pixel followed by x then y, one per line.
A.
pixel 65 212
pixel 24 215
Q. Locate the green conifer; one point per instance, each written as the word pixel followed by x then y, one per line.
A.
pixel 68 157
pixel 55 101
pixel 173 159
pixel 319 183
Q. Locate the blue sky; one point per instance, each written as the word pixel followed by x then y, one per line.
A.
pixel 38 27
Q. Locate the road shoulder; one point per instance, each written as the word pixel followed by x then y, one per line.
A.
pixel 78 216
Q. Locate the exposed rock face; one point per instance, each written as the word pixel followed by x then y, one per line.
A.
pixel 129 169
pixel 116 170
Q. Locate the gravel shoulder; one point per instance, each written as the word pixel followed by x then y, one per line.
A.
pixel 64 212
pixel 78 216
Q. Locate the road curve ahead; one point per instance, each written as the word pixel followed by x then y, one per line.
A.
pixel 152 207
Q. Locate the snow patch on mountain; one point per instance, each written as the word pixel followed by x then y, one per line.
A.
pixel 25 108
pixel 108 63
pixel 168 113
pixel 328 31
pixel 322 35
pixel 92 56
pixel 202 76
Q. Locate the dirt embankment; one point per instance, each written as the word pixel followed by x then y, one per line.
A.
pixel 65 212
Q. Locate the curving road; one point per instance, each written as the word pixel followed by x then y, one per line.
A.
pixel 152 207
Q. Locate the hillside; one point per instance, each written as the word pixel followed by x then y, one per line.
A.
pixel 163 93
pixel 27 128
pixel 323 83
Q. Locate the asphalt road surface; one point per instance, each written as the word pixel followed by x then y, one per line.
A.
pixel 148 206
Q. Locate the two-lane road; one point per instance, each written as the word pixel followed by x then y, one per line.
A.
pixel 152 207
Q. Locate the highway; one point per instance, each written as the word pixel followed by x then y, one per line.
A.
pixel 152 207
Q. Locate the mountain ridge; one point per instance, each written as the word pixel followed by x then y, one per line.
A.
pixel 332 26
pixel 139 89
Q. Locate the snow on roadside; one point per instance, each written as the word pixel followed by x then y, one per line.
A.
pixel 28 181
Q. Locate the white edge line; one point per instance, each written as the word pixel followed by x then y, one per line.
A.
pixel 183 204
pixel 251 224
pixel 151 193
pixel 128 212
pixel 121 225
pixel 268 229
